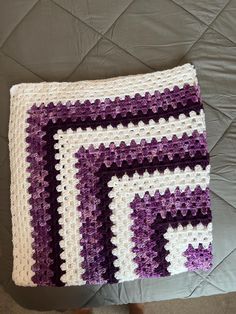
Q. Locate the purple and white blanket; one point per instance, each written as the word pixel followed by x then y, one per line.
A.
pixel 109 179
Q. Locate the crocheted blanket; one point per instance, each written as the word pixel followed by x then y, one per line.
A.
pixel 109 179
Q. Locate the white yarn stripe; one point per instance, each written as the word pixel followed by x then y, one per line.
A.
pixel 159 181
pixel 21 218
pixel 106 88
pixel 22 98
pixel 179 239
pixel 173 126
pixel 70 219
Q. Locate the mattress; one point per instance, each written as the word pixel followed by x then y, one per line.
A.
pixel 75 40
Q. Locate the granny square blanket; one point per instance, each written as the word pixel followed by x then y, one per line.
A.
pixel 109 179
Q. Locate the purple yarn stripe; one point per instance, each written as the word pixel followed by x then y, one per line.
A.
pixel 51 189
pixel 95 169
pixel 172 202
pixel 157 104
pixel 149 236
pixel 43 122
pixel 40 208
pixel 198 258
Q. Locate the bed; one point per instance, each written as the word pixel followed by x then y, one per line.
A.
pixel 71 40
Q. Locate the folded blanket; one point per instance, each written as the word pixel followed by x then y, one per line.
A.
pixel 109 179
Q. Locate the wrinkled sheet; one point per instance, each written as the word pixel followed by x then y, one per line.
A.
pixel 70 40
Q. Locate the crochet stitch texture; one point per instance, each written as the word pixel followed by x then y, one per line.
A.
pixel 109 179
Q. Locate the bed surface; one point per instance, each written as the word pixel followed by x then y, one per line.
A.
pixel 71 40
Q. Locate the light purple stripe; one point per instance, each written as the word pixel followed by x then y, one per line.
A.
pixel 199 258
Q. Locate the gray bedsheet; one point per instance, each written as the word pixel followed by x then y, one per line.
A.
pixel 68 40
